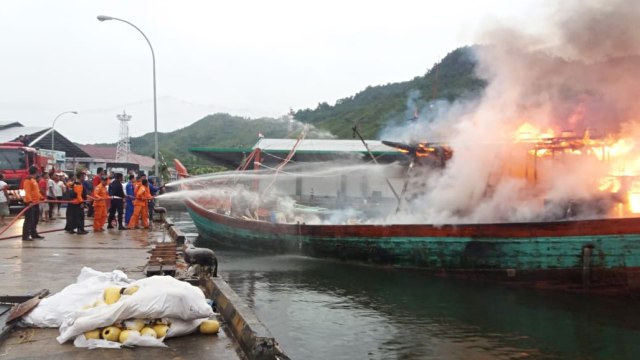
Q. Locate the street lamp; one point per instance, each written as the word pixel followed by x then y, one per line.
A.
pixel 155 108
pixel 53 126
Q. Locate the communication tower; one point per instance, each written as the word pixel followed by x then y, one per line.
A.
pixel 124 145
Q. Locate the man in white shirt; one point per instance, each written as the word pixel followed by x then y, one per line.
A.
pixel 4 199
pixel 56 189
pixel 51 196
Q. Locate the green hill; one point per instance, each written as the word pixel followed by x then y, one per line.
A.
pixel 218 130
pixel 371 109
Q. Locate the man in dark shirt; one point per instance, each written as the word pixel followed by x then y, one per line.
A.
pixel 87 186
pixel 117 192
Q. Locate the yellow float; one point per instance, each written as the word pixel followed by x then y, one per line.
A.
pixel 111 333
pixel 130 290
pixel 147 331
pixel 135 324
pixel 124 335
pixel 210 327
pixel 111 295
pixel 160 329
pixel 93 334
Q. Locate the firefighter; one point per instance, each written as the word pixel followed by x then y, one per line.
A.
pixel 100 197
pixel 76 207
pixel 140 206
pixel 32 197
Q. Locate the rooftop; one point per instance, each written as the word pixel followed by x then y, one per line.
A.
pixel 274 150
pixel 107 152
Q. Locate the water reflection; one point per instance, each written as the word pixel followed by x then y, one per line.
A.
pixel 320 309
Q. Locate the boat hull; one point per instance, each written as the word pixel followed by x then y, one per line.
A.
pixel 584 255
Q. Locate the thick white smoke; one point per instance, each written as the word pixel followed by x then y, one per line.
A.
pixel 578 75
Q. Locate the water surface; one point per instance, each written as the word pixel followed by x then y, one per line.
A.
pixel 323 309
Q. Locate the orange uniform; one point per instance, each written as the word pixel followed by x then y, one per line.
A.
pixel 100 197
pixel 32 196
pixel 77 188
pixel 141 207
pixel 31 191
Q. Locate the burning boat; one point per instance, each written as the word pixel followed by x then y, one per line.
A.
pixel 584 244
pixel 501 189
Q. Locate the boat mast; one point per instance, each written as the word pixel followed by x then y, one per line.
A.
pixel 366 146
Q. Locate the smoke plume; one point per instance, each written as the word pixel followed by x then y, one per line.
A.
pixel 577 77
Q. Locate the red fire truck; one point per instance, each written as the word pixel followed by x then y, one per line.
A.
pixel 15 160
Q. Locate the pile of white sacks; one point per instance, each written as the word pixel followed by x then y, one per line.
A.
pixel 108 310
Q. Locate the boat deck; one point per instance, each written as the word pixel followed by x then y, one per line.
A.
pixel 55 262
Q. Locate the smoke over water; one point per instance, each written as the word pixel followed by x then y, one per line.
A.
pixel 576 80
pixel 553 135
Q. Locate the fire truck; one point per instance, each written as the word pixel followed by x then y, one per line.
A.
pixel 15 160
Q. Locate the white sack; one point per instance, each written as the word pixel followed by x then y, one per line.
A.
pixel 83 342
pixel 183 327
pixel 89 287
pixel 157 297
pixel 133 340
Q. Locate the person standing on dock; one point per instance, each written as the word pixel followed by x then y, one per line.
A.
pixel 58 190
pixel 4 199
pixel 69 195
pixel 101 173
pixel 88 189
pixel 51 196
pixel 43 184
pixel 153 190
pixel 100 197
pixel 76 207
pixel 117 193
pixel 140 206
pixel 32 197
pixel 130 190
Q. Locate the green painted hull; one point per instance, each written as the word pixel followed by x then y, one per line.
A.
pixel 590 252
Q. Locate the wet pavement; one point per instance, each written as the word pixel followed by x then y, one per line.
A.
pixel 55 261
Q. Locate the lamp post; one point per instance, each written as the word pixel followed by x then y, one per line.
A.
pixel 155 108
pixel 53 126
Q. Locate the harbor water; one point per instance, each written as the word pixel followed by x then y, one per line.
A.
pixel 325 309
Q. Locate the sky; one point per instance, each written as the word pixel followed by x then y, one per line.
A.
pixel 246 58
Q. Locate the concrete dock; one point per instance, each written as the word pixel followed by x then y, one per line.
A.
pixel 55 262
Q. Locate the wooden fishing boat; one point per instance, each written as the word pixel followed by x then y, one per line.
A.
pixel 601 254
pixel 588 253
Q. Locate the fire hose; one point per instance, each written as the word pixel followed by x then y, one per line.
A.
pixel 6 227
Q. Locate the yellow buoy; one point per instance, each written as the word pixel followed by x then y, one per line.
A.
pixel 135 324
pixel 147 331
pixel 93 334
pixel 210 327
pixel 111 333
pixel 160 329
pixel 111 295
pixel 124 335
pixel 131 290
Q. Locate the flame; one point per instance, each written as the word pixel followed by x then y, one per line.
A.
pixel 528 132
pixel 633 197
pixel 610 184
pixel 617 153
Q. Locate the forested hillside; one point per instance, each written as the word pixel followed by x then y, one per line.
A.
pixel 371 109
pixel 218 130
pixel 375 106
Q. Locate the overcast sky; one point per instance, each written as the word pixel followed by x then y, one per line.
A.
pixel 247 58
